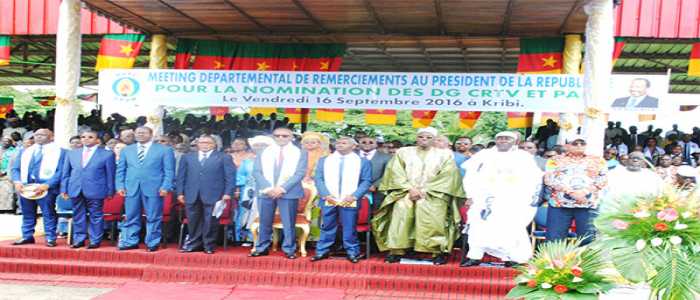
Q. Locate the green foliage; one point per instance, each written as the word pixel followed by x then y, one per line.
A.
pixel 655 239
pixel 24 101
pixel 562 270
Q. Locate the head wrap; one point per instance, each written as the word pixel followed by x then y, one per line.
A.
pixel 509 134
pixel 429 130
pixel 575 138
pixel 261 139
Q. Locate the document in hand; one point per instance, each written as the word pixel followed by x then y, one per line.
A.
pixel 218 208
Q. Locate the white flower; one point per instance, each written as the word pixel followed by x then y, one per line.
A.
pixel 656 242
pixel 642 214
pixel 675 240
pixel 640 245
pixel 546 285
pixel 680 226
pixel 686 215
pixel 577 279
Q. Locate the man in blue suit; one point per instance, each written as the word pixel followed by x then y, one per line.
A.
pixel 88 178
pixel 40 164
pixel 278 172
pixel 145 175
pixel 203 178
pixel 342 178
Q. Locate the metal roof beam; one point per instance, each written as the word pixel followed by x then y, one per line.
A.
pixel 506 18
pixel 577 5
pixel 248 16
pixel 309 15
pixel 193 19
pixel 92 7
pixel 373 15
pixel 438 13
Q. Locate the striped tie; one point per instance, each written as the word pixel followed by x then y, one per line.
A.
pixel 142 153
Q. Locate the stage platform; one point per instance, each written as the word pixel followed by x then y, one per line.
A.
pixel 232 266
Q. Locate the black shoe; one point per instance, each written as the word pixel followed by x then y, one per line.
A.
pixel 470 263
pixel 50 244
pixel 510 264
pixel 209 251
pixel 320 257
pixel 190 250
pixel 93 246
pixel 392 258
pixel 77 245
pixel 291 256
pixel 259 253
pixel 23 242
pixel 354 259
pixel 152 249
pixel 123 248
pixel 440 259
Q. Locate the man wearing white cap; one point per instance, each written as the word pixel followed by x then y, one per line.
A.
pixel 501 183
pixel 420 211
pixel 633 180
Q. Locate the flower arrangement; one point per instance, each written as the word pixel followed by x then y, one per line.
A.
pixel 655 239
pixel 562 270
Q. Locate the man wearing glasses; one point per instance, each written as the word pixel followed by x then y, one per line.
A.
pixel 378 160
pixel 88 178
pixel 501 184
pixel 278 172
pixel 574 181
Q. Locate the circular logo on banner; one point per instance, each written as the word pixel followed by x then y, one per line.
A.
pixel 126 87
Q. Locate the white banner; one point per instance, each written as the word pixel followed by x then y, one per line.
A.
pixel 402 91
pixel 629 94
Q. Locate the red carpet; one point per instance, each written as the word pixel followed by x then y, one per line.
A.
pixel 232 267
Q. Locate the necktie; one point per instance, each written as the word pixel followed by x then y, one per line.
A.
pixel 686 152
pixel 35 163
pixel 632 102
pixel 278 166
pixel 634 140
pixel 142 153
pixel 204 158
pixel 86 155
pixel 340 176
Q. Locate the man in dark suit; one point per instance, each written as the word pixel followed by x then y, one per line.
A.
pixel 378 161
pixel 39 164
pixel 638 97
pixel 87 179
pixel 145 174
pixel 342 178
pixel 278 172
pixel 203 178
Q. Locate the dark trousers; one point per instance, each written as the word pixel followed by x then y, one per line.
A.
pixel 201 226
pixel 48 212
pixel 87 219
pixel 288 211
pixel 348 220
pixel 559 221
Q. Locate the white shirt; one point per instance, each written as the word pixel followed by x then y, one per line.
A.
pixel 368 155
pixel 622 149
pixel 90 154
pixel 146 147
pixel 202 154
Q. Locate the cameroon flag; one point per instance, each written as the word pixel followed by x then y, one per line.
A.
pixel 380 117
pixel 119 51
pixel 619 45
pixel 520 119
pixel 218 112
pixel 330 114
pixel 297 115
pixel 422 118
pixel 537 56
pixel 45 100
pixel 467 119
pixel 4 50
pixel 694 62
pixel 541 55
pixel 226 55
pixel 6 105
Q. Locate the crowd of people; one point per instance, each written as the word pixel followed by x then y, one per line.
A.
pixel 422 197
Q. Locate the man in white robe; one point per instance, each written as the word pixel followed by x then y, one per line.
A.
pixel 501 184
pixel 633 180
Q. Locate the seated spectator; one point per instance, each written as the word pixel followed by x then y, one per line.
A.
pixel 610 156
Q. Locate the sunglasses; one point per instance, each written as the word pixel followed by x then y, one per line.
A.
pixel 87 137
pixel 578 143
pixel 367 143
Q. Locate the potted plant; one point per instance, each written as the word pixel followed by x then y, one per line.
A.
pixel 562 270
pixel 655 240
